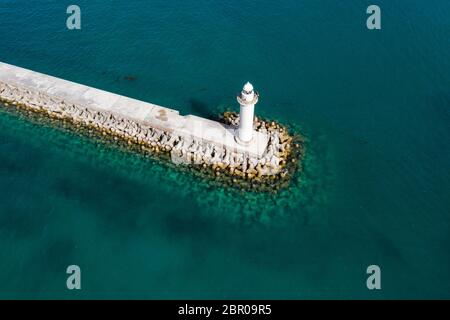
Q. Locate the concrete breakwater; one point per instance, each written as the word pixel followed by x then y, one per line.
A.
pixel 189 140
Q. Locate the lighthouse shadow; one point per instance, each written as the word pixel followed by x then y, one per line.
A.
pixel 201 109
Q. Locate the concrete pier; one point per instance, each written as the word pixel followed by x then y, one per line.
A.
pixel 189 139
pixel 162 118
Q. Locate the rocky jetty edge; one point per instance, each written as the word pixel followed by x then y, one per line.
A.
pixel 269 173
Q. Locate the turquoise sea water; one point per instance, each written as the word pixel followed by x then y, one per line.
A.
pixel 375 106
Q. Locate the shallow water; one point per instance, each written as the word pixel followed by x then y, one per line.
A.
pixel 374 106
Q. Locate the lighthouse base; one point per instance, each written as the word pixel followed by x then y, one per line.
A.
pixel 244 143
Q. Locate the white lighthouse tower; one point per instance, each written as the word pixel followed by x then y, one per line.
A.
pixel 247 99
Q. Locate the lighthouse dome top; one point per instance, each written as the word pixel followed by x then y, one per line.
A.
pixel 248 87
pixel 248 96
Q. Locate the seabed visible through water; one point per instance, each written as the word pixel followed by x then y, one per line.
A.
pixel 244 203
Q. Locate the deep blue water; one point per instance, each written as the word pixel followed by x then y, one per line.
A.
pixel 375 106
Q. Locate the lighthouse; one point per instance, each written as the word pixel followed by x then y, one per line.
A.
pixel 247 99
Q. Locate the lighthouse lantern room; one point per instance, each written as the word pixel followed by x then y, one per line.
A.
pixel 247 99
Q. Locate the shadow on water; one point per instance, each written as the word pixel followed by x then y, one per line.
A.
pixel 201 109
